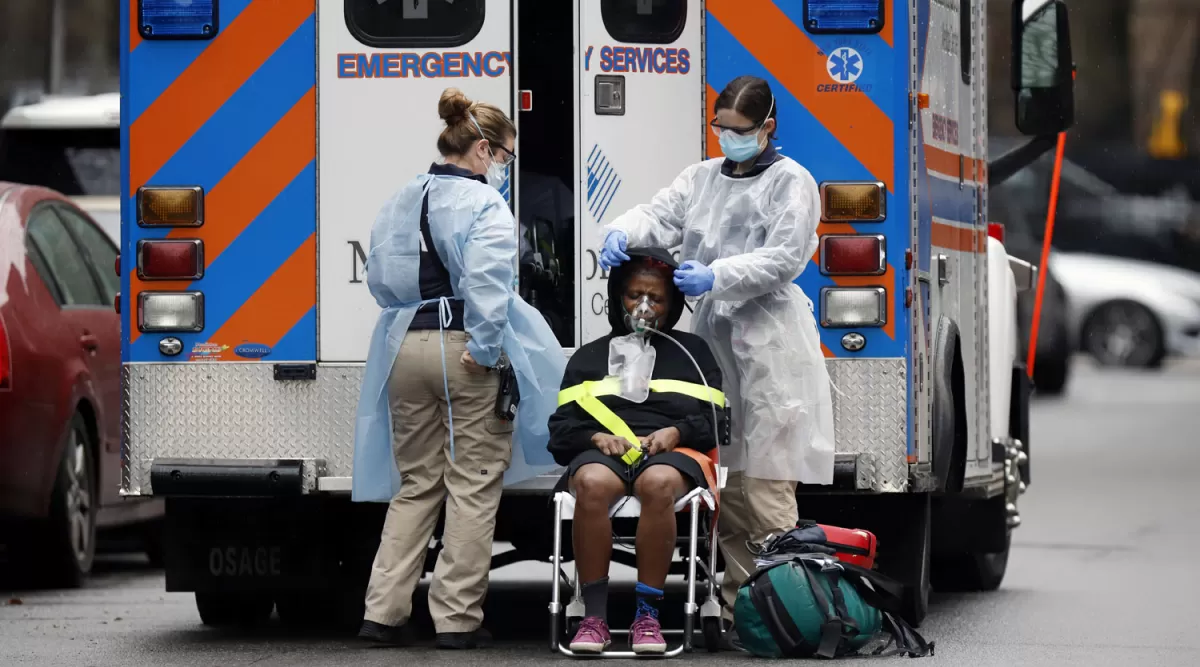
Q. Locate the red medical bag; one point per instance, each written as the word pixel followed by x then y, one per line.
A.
pixel 853 545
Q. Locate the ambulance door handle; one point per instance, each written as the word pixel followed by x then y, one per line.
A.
pixel 943 264
pixel 610 95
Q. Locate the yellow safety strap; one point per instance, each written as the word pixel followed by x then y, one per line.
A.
pixel 586 393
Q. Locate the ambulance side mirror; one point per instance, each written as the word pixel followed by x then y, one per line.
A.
pixel 1043 73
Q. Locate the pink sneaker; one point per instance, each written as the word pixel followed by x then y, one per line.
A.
pixel 646 636
pixel 593 636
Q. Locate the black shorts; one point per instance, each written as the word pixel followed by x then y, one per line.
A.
pixel 693 475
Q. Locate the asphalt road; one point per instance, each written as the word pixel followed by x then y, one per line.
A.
pixel 1102 572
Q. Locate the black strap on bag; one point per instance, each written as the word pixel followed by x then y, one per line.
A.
pixel 874 588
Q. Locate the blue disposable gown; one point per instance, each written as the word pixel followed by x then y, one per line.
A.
pixel 474 234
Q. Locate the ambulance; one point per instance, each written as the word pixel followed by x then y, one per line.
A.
pixel 262 137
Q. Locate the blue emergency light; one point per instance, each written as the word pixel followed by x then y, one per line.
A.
pixel 177 19
pixel 843 16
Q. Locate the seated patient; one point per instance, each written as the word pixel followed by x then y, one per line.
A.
pixel 664 422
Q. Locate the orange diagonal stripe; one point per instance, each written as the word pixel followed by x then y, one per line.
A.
pixel 277 306
pixel 232 57
pixel 788 53
pixel 258 178
pixel 888 28
pixel 135 37
pixel 712 146
pixel 242 195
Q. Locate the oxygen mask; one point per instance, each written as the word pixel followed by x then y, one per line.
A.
pixel 642 317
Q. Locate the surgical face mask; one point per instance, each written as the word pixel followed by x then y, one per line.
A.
pixel 739 147
pixel 745 147
pixel 497 174
pixel 641 317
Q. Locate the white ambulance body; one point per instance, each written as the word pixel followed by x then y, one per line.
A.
pixel 242 371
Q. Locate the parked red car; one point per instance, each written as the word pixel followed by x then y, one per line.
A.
pixel 60 386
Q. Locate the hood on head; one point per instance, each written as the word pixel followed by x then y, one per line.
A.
pixel 616 289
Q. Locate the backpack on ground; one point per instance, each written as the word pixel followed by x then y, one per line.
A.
pixel 804 602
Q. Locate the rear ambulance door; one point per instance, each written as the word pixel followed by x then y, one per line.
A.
pixel 383 67
pixel 641 120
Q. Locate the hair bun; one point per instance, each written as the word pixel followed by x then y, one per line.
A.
pixel 454 106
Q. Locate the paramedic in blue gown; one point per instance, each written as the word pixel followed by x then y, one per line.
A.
pixel 441 265
pixel 747 226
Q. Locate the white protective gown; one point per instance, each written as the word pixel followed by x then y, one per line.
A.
pixel 757 234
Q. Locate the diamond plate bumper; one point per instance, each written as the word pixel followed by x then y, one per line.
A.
pixel 228 412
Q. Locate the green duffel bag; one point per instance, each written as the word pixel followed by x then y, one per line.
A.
pixel 813 605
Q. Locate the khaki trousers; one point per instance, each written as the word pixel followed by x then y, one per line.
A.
pixel 470 485
pixel 751 509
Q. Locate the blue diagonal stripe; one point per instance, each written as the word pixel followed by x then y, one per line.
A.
pixel 243 120
pixel 156 68
pixel 249 261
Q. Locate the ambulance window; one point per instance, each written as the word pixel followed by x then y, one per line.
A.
pixel 964 35
pixel 644 21
pixel 414 23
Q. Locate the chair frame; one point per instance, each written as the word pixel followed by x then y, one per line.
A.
pixel 696 501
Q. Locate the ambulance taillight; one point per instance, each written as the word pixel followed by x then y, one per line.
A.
pixel 170 259
pixel 853 254
pixel 853 307
pixel 847 201
pixel 170 312
pixel 159 206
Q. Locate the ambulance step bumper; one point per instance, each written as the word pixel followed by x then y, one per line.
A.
pixel 234 479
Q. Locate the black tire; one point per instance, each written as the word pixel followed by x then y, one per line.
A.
pixel 971 572
pixel 154 542
pixel 70 532
pixel 233 609
pixel 711 627
pixel 1050 374
pixel 1129 326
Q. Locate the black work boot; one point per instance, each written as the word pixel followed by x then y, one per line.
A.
pixel 385 635
pixel 464 641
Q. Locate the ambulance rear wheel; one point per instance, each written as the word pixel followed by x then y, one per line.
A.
pixel 233 609
pixel 972 572
pixel 905 548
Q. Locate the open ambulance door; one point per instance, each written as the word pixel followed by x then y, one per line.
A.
pixel 640 121
pixel 383 65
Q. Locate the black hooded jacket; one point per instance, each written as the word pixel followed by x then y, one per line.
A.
pixel 571 428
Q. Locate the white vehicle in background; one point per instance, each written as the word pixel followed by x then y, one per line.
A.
pixel 1126 312
pixel 71 144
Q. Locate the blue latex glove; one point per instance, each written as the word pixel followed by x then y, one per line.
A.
pixel 613 252
pixel 693 278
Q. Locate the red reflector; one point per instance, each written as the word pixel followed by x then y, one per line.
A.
pixel 853 254
pixel 117 266
pixel 526 100
pixel 996 231
pixel 117 303
pixel 5 358
pixel 181 259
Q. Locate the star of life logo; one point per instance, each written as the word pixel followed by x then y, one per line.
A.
pixel 844 65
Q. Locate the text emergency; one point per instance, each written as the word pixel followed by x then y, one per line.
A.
pixel 431 65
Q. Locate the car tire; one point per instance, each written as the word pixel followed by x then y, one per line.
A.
pixel 154 542
pixel 233 609
pixel 70 532
pixel 909 529
pixel 1108 323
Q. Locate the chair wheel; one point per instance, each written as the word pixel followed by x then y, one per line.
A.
pixel 573 627
pixel 712 633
